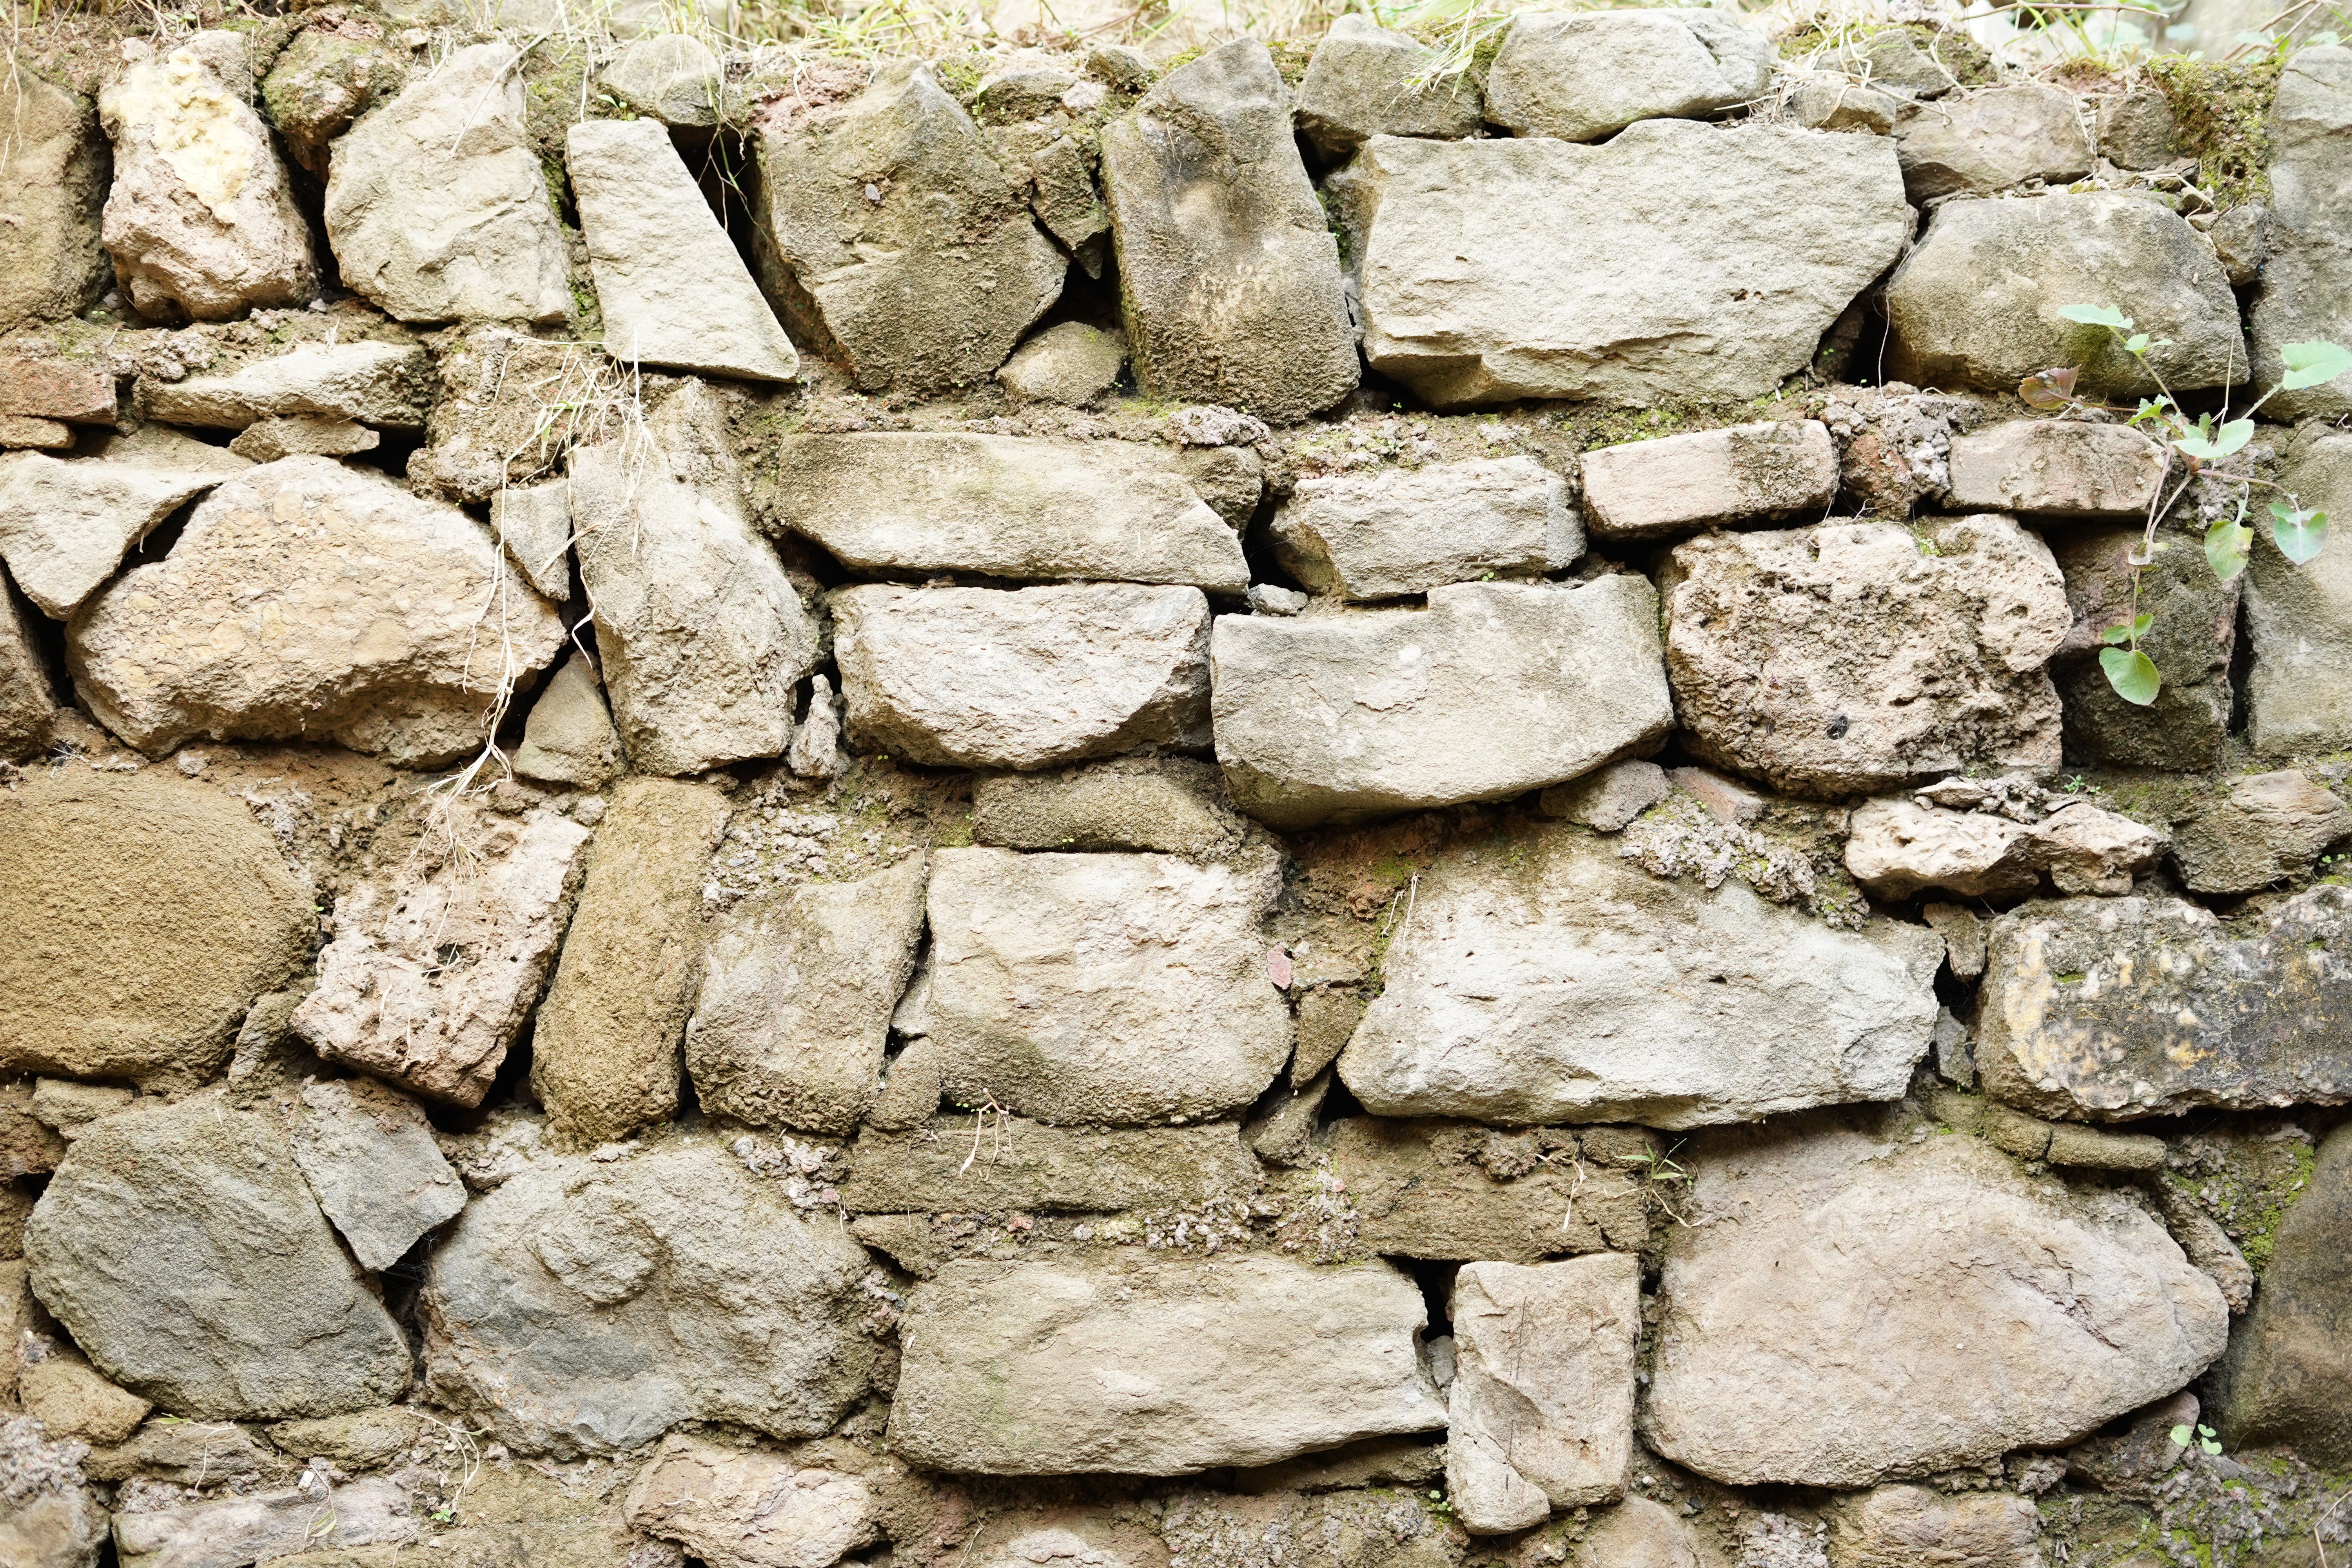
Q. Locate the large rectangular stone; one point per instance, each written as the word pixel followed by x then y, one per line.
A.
pixel 2056 468
pixel 1707 479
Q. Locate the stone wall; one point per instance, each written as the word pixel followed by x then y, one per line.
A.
pixel 1083 808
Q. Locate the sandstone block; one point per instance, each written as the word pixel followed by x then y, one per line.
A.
pixel 375 1511
pixel 2191 638
pixel 296 434
pixel 737 1509
pixel 1364 81
pixel 1580 76
pixel 1379 536
pixel 27 703
pixel 55 181
pixel 1435 1189
pixel 1984 142
pixel 71 1401
pixel 534 528
pixel 1005 506
pixel 1228 278
pixel 371 383
pixel 1071 987
pixel 2261 828
pixel 1070 362
pixel 1062 1368
pixel 369 1155
pixel 1494 689
pixel 2303 295
pixel 65 523
pixel 1032 1167
pixel 362 1440
pixel 1173 804
pixel 2057 468
pixel 673 77
pixel 2285 1379
pixel 1893 1527
pixel 1025 678
pixel 23 433
pixel 78 390
pixel 1709 478
pixel 310 600
pixel 1673 260
pixel 1840 658
pixel 673 288
pixel 569 737
pixel 2299 618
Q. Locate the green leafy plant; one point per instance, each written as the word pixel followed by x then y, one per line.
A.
pixel 2203 1438
pixel 2203 447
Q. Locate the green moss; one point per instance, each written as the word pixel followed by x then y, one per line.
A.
pixel 2223 116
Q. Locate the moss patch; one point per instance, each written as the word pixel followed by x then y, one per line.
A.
pixel 2224 115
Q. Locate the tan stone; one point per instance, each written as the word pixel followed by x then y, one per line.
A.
pixel 2056 468
pixel 1709 478
pixel 734 1509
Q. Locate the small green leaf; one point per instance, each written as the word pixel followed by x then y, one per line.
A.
pixel 2180 1435
pixel 2226 543
pixel 2300 534
pixel 2308 364
pixel 2212 446
pixel 2137 344
pixel 2118 636
pixel 2098 316
pixel 2133 675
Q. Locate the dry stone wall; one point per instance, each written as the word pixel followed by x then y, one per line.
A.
pixel 1079 806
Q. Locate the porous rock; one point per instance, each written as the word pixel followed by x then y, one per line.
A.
pixel 1580 76
pixel 569 737
pixel 293 434
pixel 1069 363
pixel 1977 142
pixel 1567 984
pixel 1896 1527
pixel 327 76
pixel 586 1307
pixel 1842 657
pixel 2303 295
pixel 1015 1163
pixel 1709 478
pixel 1174 804
pixel 1843 1309
pixel 2138 131
pixel 2192 636
pixel 145 913
pixel 362 1440
pixel 2056 468
pixel 1229 278
pixel 734 1509
pixel 390 621
pixel 1364 81
pixel 1070 987
pixel 181 1247
pixel 2261 828
pixel 1380 536
pixel 48 1517
pixel 1895 847
pixel 65 523
pixel 2285 1379
pixel 374 1511
pixel 369 1155
pixel 1064 1368
pixel 371 383
pixel 71 1400
pixel 1494 689
pixel 1674 260
pixel 1023 678
pixel 1428 1188
pixel 2299 618
pixel 54 181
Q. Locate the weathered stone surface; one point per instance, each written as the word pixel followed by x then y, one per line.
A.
pixel 184 1453
pixel 327 76
pixel 1839 103
pixel 56 1386
pixel 1607 800
pixel 1839 659
pixel 1228 278
pixel 2299 618
pixel 299 435
pixel 1408 1462
pixel 2191 639
pixel 926 283
pixel 1709 478
pixel 55 388
pixel 1494 689
pixel 605 1049
pixel 794 1012
pixel 1435 1189
pixel 1673 260
pixel 703 639
pixel 1023 679
pixel 673 77
pixel 674 290
pixel 2056 468
pixel 1407 531
pixel 2260 828
pixel 54 181
pixel 362 1440
pixel 1977 303
pixel 65 524
pixel 734 1509
pixel 389 621
pixel 1580 76
pixel 436 227
pixel 28 702
pixel 2138 130
pixel 1173 804
pixel 1978 142
pixel 374 1511
pixel 1365 81
pixel 2303 295
pixel 2117 1008
pixel 371 383
pixel 1006 506
pixel 180 1247
pixel 569 737
pixel 1896 848
pixel 1071 987
pixel 1065 1368
pixel 1029 1167
pixel 1844 1309
pixel 586 1307
pixel 145 913
pixel 1573 987
pixel 2143 1451
pixel 369 1155
pixel 21 432
pixel 48 1517
pixel 1898 1527
pixel 201 220
pixel 2287 1377
pixel 1540 1414
pixel 2208 1247
pixel 1639 1534
pixel 534 527
pixel 1071 363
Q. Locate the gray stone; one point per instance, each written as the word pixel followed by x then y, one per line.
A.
pixel 673 288
pixel 329 75
pixel 1044 1368
pixel 54 181
pixel 145 913
pixel 1896 848
pixel 534 528
pixel 704 641
pixel 1071 363
pixel 201 219
pixel 1428 1188
pixel 2260 828
pixel 2299 618
pixel 184 1453
pixel 1022 91
pixel 372 383
pixel 673 77
pixel 1407 531
pixel 2285 1379
pixel 28 702
pixel 1540 1414
pixel 2191 638
pixel 1005 506
pixel 1022 680
pixel 1977 142
pixel 1844 1308
pixel 363 1440
pixel 1709 478
pixel 1580 76
pixel 1172 804
pixel 737 1509
pixel 2057 468
pixel 1607 800
pixel 435 226
pixel 569 737
pixel 65 524
pixel 1896 1527
pixel 2136 130
pixel 587 1305
pixel 391 622
pixel 2242 239
pixel 919 282
pixel 1977 303
pixel 1364 81
pixel 236 1531
pixel 1563 984
pixel 815 750
pixel 1839 103
pixel 181 1248
pixel 2108 1009
pixel 2208 1247
pixel 1843 657
pixel 1014 1163
pixel 1228 278
pixel 1494 689
pixel 369 1155
pixel 293 434
pixel 1642 267
pixel 794 1012
pixel 1964 951
pixel 1407 1462
pixel 48 1517
pixel 2303 295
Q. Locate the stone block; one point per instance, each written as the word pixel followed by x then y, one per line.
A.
pixel 1070 362
pixel 2057 468
pixel 734 1509
pixel 54 181
pixel 371 383
pixel 1364 81
pixel 1013 1164
pixel 1173 804
pixel 1608 800
pixel 1709 478
pixel 2299 618
pixel 1581 76
pixel 2285 1380
pixel 2303 294
pixel 369 1155
pixel 569 737
pixel 65 523
pixel 2192 638
pixel 1382 536
pixel 1428 1188
pixel 2258 829
pixel 1978 142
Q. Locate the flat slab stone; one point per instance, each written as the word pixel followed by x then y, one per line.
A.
pixel 385 384
pixel 734 1509
pixel 1674 260
pixel 1005 506
pixel 369 1155
pixel 1425 1187
pixel 65 523
pixel 1564 984
pixel 1029 1167
pixel 2056 468
pixel 1174 804
pixel 1983 141
pixel 673 287
pixel 1494 689
pixel 1380 536
pixel 2300 618
pixel 1579 77
pixel 1162 1370
pixel 1709 478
